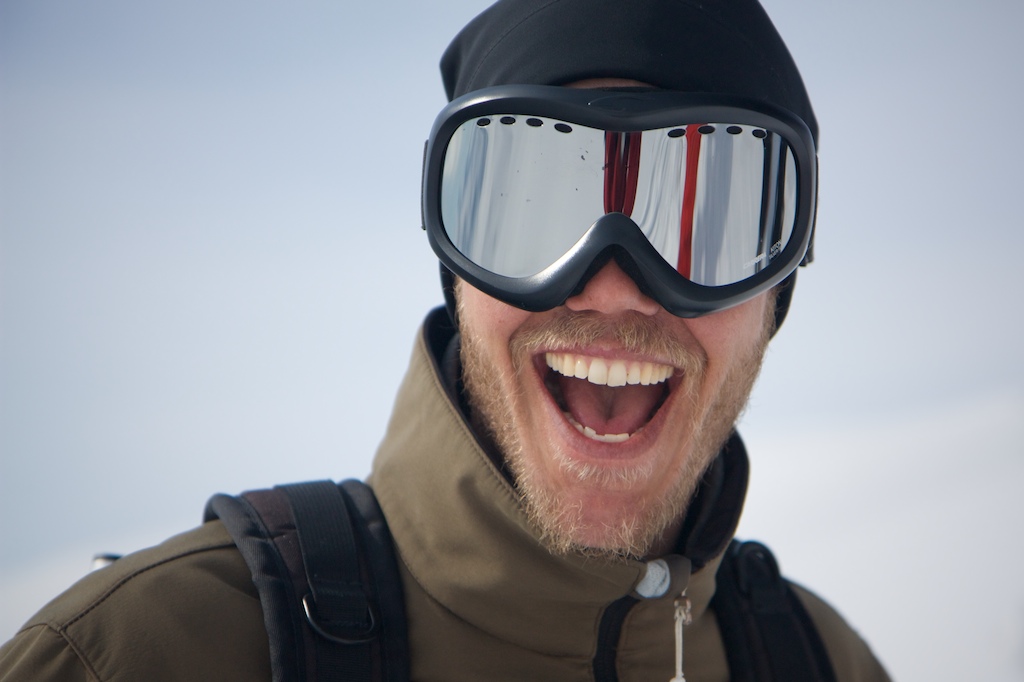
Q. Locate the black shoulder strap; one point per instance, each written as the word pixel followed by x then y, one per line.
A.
pixel 323 563
pixel 767 632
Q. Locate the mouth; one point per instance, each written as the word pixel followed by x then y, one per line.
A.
pixel 607 400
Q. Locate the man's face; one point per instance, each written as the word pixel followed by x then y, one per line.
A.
pixel 608 409
pixel 604 467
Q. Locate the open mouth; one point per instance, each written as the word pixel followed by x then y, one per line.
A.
pixel 606 400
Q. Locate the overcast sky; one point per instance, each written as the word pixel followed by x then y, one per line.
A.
pixel 212 271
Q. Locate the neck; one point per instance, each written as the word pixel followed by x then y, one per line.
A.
pixel 666 544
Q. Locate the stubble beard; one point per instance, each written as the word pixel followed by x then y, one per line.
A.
pixel 643 523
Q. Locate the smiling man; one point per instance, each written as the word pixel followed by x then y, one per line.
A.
pixel 620 193
pixel 608 409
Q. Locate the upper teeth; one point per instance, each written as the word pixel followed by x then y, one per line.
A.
pixel 608 372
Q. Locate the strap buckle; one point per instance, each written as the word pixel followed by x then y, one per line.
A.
pixel 358 637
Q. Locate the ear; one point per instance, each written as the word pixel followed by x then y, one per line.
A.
pixel 448 289
pixel 783 297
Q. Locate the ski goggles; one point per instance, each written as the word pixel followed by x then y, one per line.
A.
pixel 705 201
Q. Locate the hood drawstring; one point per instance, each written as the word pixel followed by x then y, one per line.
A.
pixel 683 617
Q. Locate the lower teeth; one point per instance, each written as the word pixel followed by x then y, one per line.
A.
pixel 594 435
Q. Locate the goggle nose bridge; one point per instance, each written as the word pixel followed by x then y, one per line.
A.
pixel 615 237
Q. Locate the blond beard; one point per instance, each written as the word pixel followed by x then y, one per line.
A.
pixel 641 525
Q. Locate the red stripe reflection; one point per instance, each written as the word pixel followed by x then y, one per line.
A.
pixel 621 170
pixel 685 262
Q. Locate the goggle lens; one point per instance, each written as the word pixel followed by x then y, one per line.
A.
pixel 716 200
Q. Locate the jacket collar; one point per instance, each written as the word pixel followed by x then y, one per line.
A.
pixel 465 539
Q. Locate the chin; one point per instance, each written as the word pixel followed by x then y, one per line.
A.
pixel 614 512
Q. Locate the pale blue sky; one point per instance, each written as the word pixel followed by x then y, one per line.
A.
pixel 211 273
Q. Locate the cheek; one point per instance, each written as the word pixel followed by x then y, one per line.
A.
pixel 487 319
pixel 731 333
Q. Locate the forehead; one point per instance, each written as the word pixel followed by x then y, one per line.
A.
pixel 608 83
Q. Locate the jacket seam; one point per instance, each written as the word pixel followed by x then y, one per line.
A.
pixel 62 629
pixel 503 487
pixel 121 583
pixel 495 478
pixel 70 644
pixel 499 484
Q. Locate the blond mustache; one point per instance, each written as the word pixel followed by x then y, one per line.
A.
pixel 635 333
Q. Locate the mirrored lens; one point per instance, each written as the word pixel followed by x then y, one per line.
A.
pixel 716 200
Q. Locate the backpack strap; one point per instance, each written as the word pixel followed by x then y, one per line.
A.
pixel 323 563
pixel 767 632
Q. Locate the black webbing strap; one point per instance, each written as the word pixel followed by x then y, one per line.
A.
pixel 264 553
pixel 391 646
pixel 767 633
pixel 323 563
pixel 336 606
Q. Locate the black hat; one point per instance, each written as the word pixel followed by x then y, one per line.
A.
pixel 721 46
pixel 718 46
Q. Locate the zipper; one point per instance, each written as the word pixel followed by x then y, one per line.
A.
pixel 608 638
pixel 656 583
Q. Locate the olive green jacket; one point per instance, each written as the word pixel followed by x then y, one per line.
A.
pixel 485 600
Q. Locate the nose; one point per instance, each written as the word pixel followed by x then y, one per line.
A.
pixel 612 291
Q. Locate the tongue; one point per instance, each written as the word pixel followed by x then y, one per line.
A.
pixel 610 411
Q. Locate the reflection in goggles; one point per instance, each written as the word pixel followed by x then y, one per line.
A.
pixel 717 201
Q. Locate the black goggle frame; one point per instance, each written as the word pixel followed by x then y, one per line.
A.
pixel 614 235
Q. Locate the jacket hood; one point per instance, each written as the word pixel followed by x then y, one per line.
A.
pixel 467 544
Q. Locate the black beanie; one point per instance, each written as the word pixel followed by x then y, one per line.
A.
pixel 720 46
pixel 716 46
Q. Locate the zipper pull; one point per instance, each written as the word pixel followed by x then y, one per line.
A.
pixel 682 618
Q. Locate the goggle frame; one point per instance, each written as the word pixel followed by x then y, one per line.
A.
pixel 624 111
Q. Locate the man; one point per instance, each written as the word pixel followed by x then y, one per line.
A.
pixel 619 224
